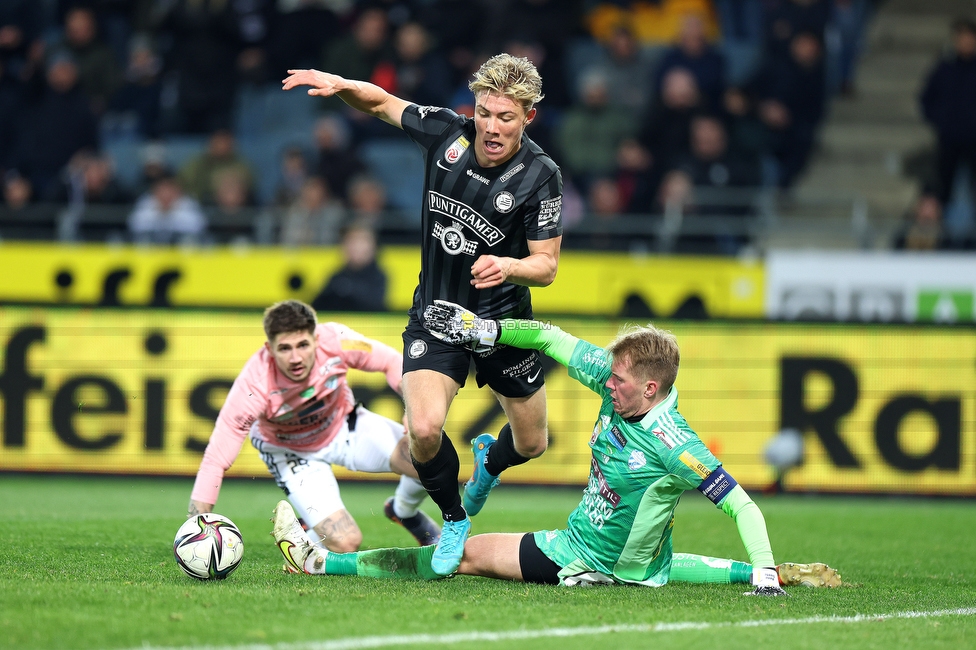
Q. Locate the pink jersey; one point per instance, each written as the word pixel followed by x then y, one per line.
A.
pixel 304 416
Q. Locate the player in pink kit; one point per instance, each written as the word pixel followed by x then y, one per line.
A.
pixel 293 401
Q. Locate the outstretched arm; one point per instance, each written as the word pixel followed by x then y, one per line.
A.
pixel 363 96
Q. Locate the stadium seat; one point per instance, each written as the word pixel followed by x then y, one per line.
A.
pixel 398 164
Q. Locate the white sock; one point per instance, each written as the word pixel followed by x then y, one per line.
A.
pixel 410 493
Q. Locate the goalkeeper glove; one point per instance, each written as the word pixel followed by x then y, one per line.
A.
pixel 456 325
pixel 767 583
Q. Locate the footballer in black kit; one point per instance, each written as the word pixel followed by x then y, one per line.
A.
pixel 469 211
pixel 490 229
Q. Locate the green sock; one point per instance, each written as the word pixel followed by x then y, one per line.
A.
pixel 687 567
pixel 340 564
pixel 403 563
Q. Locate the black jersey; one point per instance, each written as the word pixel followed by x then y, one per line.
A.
pixel 470 211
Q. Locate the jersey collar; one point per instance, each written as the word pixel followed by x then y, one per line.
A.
pixel 662 407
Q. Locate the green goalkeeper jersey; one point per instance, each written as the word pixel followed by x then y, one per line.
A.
pixel 621 530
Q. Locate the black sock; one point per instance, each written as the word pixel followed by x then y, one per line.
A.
pixel 439 476
pixel 502 454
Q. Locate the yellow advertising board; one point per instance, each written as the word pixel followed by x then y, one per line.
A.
pixel 587 283
pixel 883 409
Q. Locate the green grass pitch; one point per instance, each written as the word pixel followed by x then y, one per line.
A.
pixel 87 563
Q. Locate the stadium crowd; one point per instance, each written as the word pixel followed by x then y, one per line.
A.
pixel 171 112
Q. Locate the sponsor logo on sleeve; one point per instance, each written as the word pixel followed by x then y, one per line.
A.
pixel 424 111
pixel 694 464
pixel 504 202
pixel 663 437
pixel 417 349
pixel 457 148
pixel 511 172
pixel 549 210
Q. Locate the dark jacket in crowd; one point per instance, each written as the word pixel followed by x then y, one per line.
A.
pixel 949 100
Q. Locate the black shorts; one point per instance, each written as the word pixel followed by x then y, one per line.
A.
pixel 511 372
pixel 536 565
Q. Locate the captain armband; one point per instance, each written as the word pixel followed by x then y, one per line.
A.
pixel 717 485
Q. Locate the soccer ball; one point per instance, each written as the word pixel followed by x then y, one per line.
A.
pixel 208 547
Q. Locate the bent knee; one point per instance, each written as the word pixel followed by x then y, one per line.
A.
pixel 532 448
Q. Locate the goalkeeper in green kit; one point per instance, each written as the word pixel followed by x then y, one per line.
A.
pixel 644 456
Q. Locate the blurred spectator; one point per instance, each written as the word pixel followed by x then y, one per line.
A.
pixel 229 215
pixel 949 105
pixel 17 191
pixel 198 174
pixel 89 178
pixel 153 166
pixel 98 72
pixel 791 105
pixel 367 202
pixel 357 54
pixel 58 124
pixel 398 12
pixel 848 19
pixel 11 109
pixel 664 132
pixel 550 25
pixel 693 53
pixel 294 172
pixel 741 23
pixel 604 205
pixel 628 68
pixel 297 33
pixel 422 76
pixel 633 177
pixel 167 216
pixel 254 20
pixel 589 133
pixel 710 163
pixel 337 161
pixel 924 229
pixel 313 218
pixel 784 19
pixel 203 55
pixel 456 27
pixel 675 193
pixel 138 100
pixel 360 285
pixel 21 44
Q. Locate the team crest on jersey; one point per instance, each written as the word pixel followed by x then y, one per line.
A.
pixel 417 349
pixel 453 240
pixel 504 202
pixel 457 148
pixel 636 460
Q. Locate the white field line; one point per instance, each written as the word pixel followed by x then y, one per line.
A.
pixel 358 643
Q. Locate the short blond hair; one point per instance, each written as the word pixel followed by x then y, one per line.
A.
pixel 512 76
pixel 653 354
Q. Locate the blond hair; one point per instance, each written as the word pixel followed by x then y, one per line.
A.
pixel 514 77
pixel 653 354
